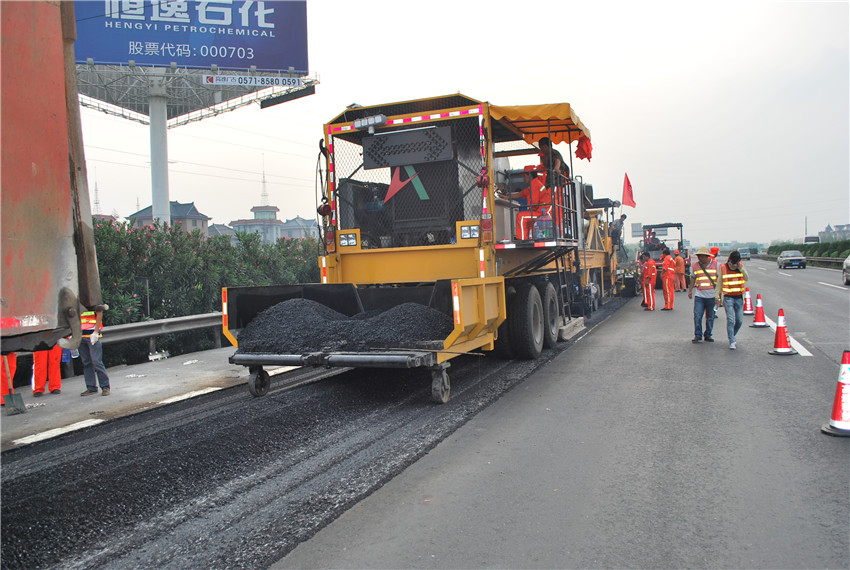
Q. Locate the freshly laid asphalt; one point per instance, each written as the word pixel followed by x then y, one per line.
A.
pixel 633 448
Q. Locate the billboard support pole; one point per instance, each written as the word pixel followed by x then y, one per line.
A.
pixel 157 102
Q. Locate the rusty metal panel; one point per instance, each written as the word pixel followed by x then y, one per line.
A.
pixel 39 258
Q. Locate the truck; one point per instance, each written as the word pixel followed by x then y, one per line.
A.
pixel 414 212
pixel 653 243
pixel 49 263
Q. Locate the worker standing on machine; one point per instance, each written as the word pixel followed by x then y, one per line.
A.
pixel 649 273
pixel 668 276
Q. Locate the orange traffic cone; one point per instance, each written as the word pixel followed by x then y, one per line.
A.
pixel 839 422
pixel 748 303
pixel 758 321
pixel 780 341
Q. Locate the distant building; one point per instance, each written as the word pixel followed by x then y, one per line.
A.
pixel 298 227
pixel 837 233
pixel 185 215
pixel 222 230
pixel 265 223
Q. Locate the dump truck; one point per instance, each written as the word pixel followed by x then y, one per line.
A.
pixel 49 263
pixel 416 211
pixel 656 237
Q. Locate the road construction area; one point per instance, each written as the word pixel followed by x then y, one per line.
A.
pixel 627 446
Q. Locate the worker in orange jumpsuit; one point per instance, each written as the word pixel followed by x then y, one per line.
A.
pixel 539 199
pixel 46 370
pixel 7 371
pixel 649 273
pixel 668 275
pixel 681 284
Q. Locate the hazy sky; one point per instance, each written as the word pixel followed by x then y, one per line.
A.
pixel 729 117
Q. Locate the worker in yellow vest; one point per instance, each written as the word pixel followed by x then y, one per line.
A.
pixel 703 280
pixel 91 353
pixel 729 292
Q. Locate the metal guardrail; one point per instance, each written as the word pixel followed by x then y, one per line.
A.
pixel 827 260
pixel 151 329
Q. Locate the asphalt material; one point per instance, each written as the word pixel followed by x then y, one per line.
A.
pixel 297 326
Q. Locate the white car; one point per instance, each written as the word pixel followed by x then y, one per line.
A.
pixel 846 270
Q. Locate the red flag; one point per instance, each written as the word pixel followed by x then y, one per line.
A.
pixel 628 198
pixel 584 149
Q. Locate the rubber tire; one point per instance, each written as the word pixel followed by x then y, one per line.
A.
pixel 504 348
pixel 441 387
pixel 551 316
pixel 259 382
pixel 527 324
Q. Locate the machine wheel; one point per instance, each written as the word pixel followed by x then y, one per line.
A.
pixel 259 382
pixel 527 322
pixel 440 386
pixel 551 317
pixel 504 344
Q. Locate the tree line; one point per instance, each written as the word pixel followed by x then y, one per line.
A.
pixel 161 271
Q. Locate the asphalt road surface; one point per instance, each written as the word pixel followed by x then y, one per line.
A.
pixel 634 449
pixel 229 481
pixel 629 447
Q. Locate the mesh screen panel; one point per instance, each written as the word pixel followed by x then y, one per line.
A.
pixel 408 204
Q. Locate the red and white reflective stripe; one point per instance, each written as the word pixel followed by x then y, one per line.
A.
pixel 416 119
pixel 324 270
pixel 481 262
pixel 224 307
pixel 456 301
pixel 505 246
pixel 840 417
pixel 331 200
pixel 545 243
pixel 483 154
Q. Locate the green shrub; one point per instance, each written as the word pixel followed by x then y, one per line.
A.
pixel 161 271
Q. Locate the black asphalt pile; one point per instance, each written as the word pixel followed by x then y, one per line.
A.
pixel 298 326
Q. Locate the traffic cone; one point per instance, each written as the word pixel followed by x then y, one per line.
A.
pixel 780 341
pixel 839 422
pixel 748 303
pixel 758 321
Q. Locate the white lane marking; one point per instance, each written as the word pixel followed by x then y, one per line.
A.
pixel 55 432
pixel 794 344
pixel 786 274
pixel 280 370
pixel 762 268
pixel 831 285
pixel 189 395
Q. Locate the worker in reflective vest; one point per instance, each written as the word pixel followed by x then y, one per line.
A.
pixel 7 371
pixel 91 353
pixel 649 273
pixel 539 199
pixel 680 284
pixel 703 280
pixel 729 293
pixel 668 276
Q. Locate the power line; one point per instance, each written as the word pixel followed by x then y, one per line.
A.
pixel 201 173
pixel 192 163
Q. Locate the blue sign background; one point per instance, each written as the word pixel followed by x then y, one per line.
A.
pixel 230 34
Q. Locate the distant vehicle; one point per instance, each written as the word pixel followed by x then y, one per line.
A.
pixel 846 270
pixel 652 246
pixel 745 253
pixel 791 258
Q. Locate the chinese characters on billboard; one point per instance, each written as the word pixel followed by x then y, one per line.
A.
pixel 231 34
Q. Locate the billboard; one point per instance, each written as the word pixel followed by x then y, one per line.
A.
pixel 230 34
